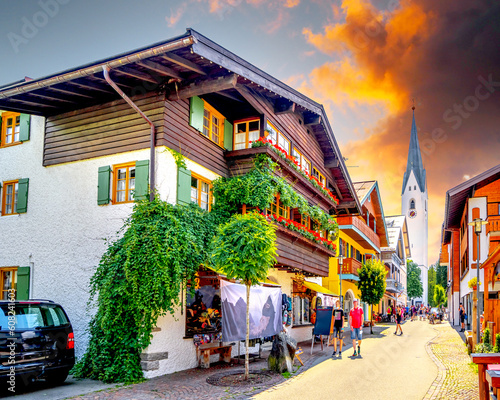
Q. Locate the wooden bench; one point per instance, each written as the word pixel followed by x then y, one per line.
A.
pixel 485 362
pixel 493 378
pixel 204 352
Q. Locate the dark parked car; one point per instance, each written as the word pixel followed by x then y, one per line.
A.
pixel 36 342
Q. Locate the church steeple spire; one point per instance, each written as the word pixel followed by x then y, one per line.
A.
pixel 414 160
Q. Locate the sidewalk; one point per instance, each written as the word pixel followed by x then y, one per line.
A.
pixel 192 384
pixel 456 377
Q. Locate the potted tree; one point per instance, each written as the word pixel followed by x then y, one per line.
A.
pixel 473 283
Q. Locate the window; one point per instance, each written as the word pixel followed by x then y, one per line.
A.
pixel 409 188
pixel 412 204
pixel 200 192
pixel 278 209
pixel 11 123
pixel 318 175
pixel 303 162
pixel 276 137
pixel 415 187
pixel 246 132
pixel 8 280
pixel 123 183
pixel 213 124
pixel 9 197
pixel 301 310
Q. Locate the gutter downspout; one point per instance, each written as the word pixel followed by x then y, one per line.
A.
pixel 105 70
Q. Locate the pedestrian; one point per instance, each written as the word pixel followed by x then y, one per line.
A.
pixel 356 324
pixel 461 311
pixel 338 328
pixel 399 314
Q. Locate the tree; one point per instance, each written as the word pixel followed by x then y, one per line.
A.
pixel 439 295
pixel 431 283
pixel 441 275
pixel 372 283
pixel 414 282
pixel 245 249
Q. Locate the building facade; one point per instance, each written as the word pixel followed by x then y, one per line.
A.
pixel 101 135
pixel 478 197
pixel 414 202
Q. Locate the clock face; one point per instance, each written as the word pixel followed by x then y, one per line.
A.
pixel 412 213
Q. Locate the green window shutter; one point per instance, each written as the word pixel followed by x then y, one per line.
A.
pixel 24 127
pixel 228 135
pixel 183 186
pixel 23 283
pixel 22 195
pixel 103 185
pixel 141 180
pixel 196 109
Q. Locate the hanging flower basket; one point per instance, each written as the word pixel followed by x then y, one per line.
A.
pixel 473 283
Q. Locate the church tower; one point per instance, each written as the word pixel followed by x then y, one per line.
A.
pixel 414 205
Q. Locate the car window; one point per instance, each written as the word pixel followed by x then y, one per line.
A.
pixel 30 316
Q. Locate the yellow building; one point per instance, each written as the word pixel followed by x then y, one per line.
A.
pixel 361 237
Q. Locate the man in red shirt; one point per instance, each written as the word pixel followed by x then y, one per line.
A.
pixel 356 324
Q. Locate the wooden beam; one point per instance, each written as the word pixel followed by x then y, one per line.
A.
pixel 91 86
pixel 184 63
pixel 229 96
pixel 70 92
pixel 331 162
pixel 135 74
pixel 313 119
pixel 20 109
pixel 247 95
pixel 159 68
pixel 284 106
pixel 30 103
pixel 204 87
pixel 117 81
pixel 50 98
pixel 347 204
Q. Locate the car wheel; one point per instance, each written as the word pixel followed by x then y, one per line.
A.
pixel 56 378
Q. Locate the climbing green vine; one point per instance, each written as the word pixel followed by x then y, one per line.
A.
pixel 141 274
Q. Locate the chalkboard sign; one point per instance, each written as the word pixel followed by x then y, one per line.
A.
pixel 323 321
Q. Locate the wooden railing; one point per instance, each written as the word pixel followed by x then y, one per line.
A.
pixel 359 223
pixel 350 266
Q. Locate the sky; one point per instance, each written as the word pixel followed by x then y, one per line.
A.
pixel 366 61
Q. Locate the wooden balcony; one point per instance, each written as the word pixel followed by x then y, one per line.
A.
pixel 350 266
pixel 241 161
pixel 356 228
pixel 297 252
pixel 493 226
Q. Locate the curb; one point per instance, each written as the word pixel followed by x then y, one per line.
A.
pixel 435 387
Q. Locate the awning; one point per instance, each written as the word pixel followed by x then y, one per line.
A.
pixel 267 282
pixel 349 277
pixel 318 288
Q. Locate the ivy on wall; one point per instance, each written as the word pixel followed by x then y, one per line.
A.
pixel 140 276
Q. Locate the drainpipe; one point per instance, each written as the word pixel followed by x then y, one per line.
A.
pixel 105 70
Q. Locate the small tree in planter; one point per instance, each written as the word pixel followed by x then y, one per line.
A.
pixel 245 249
pixel 372 284
pixel 439 295
pixel 473 283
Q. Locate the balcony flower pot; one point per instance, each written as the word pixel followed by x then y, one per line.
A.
pixel 473 283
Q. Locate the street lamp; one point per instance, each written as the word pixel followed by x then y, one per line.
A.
pixel 478 228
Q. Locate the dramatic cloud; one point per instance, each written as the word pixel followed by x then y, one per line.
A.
pixel 445 56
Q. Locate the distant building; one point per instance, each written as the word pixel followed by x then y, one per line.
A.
pixel 414 206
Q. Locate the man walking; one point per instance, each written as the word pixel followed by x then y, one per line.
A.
pixel 356 324
pixel 338 328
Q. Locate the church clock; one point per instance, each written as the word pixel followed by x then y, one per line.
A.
pixel 412 213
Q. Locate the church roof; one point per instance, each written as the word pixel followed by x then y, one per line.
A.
pixel 414 160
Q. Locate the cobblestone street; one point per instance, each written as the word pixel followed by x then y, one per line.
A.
pixel 456 377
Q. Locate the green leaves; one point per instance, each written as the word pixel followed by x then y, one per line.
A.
pixel 138 279
pixel 415 288
pixel 371 282
pixel 245 248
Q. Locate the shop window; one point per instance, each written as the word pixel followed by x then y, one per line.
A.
pixel 8 281
pixel 123 183
pixel 318 175
pixel 301 303
pixel 246 132
pixel 200 192
pixel 277 208
pixel 203 308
